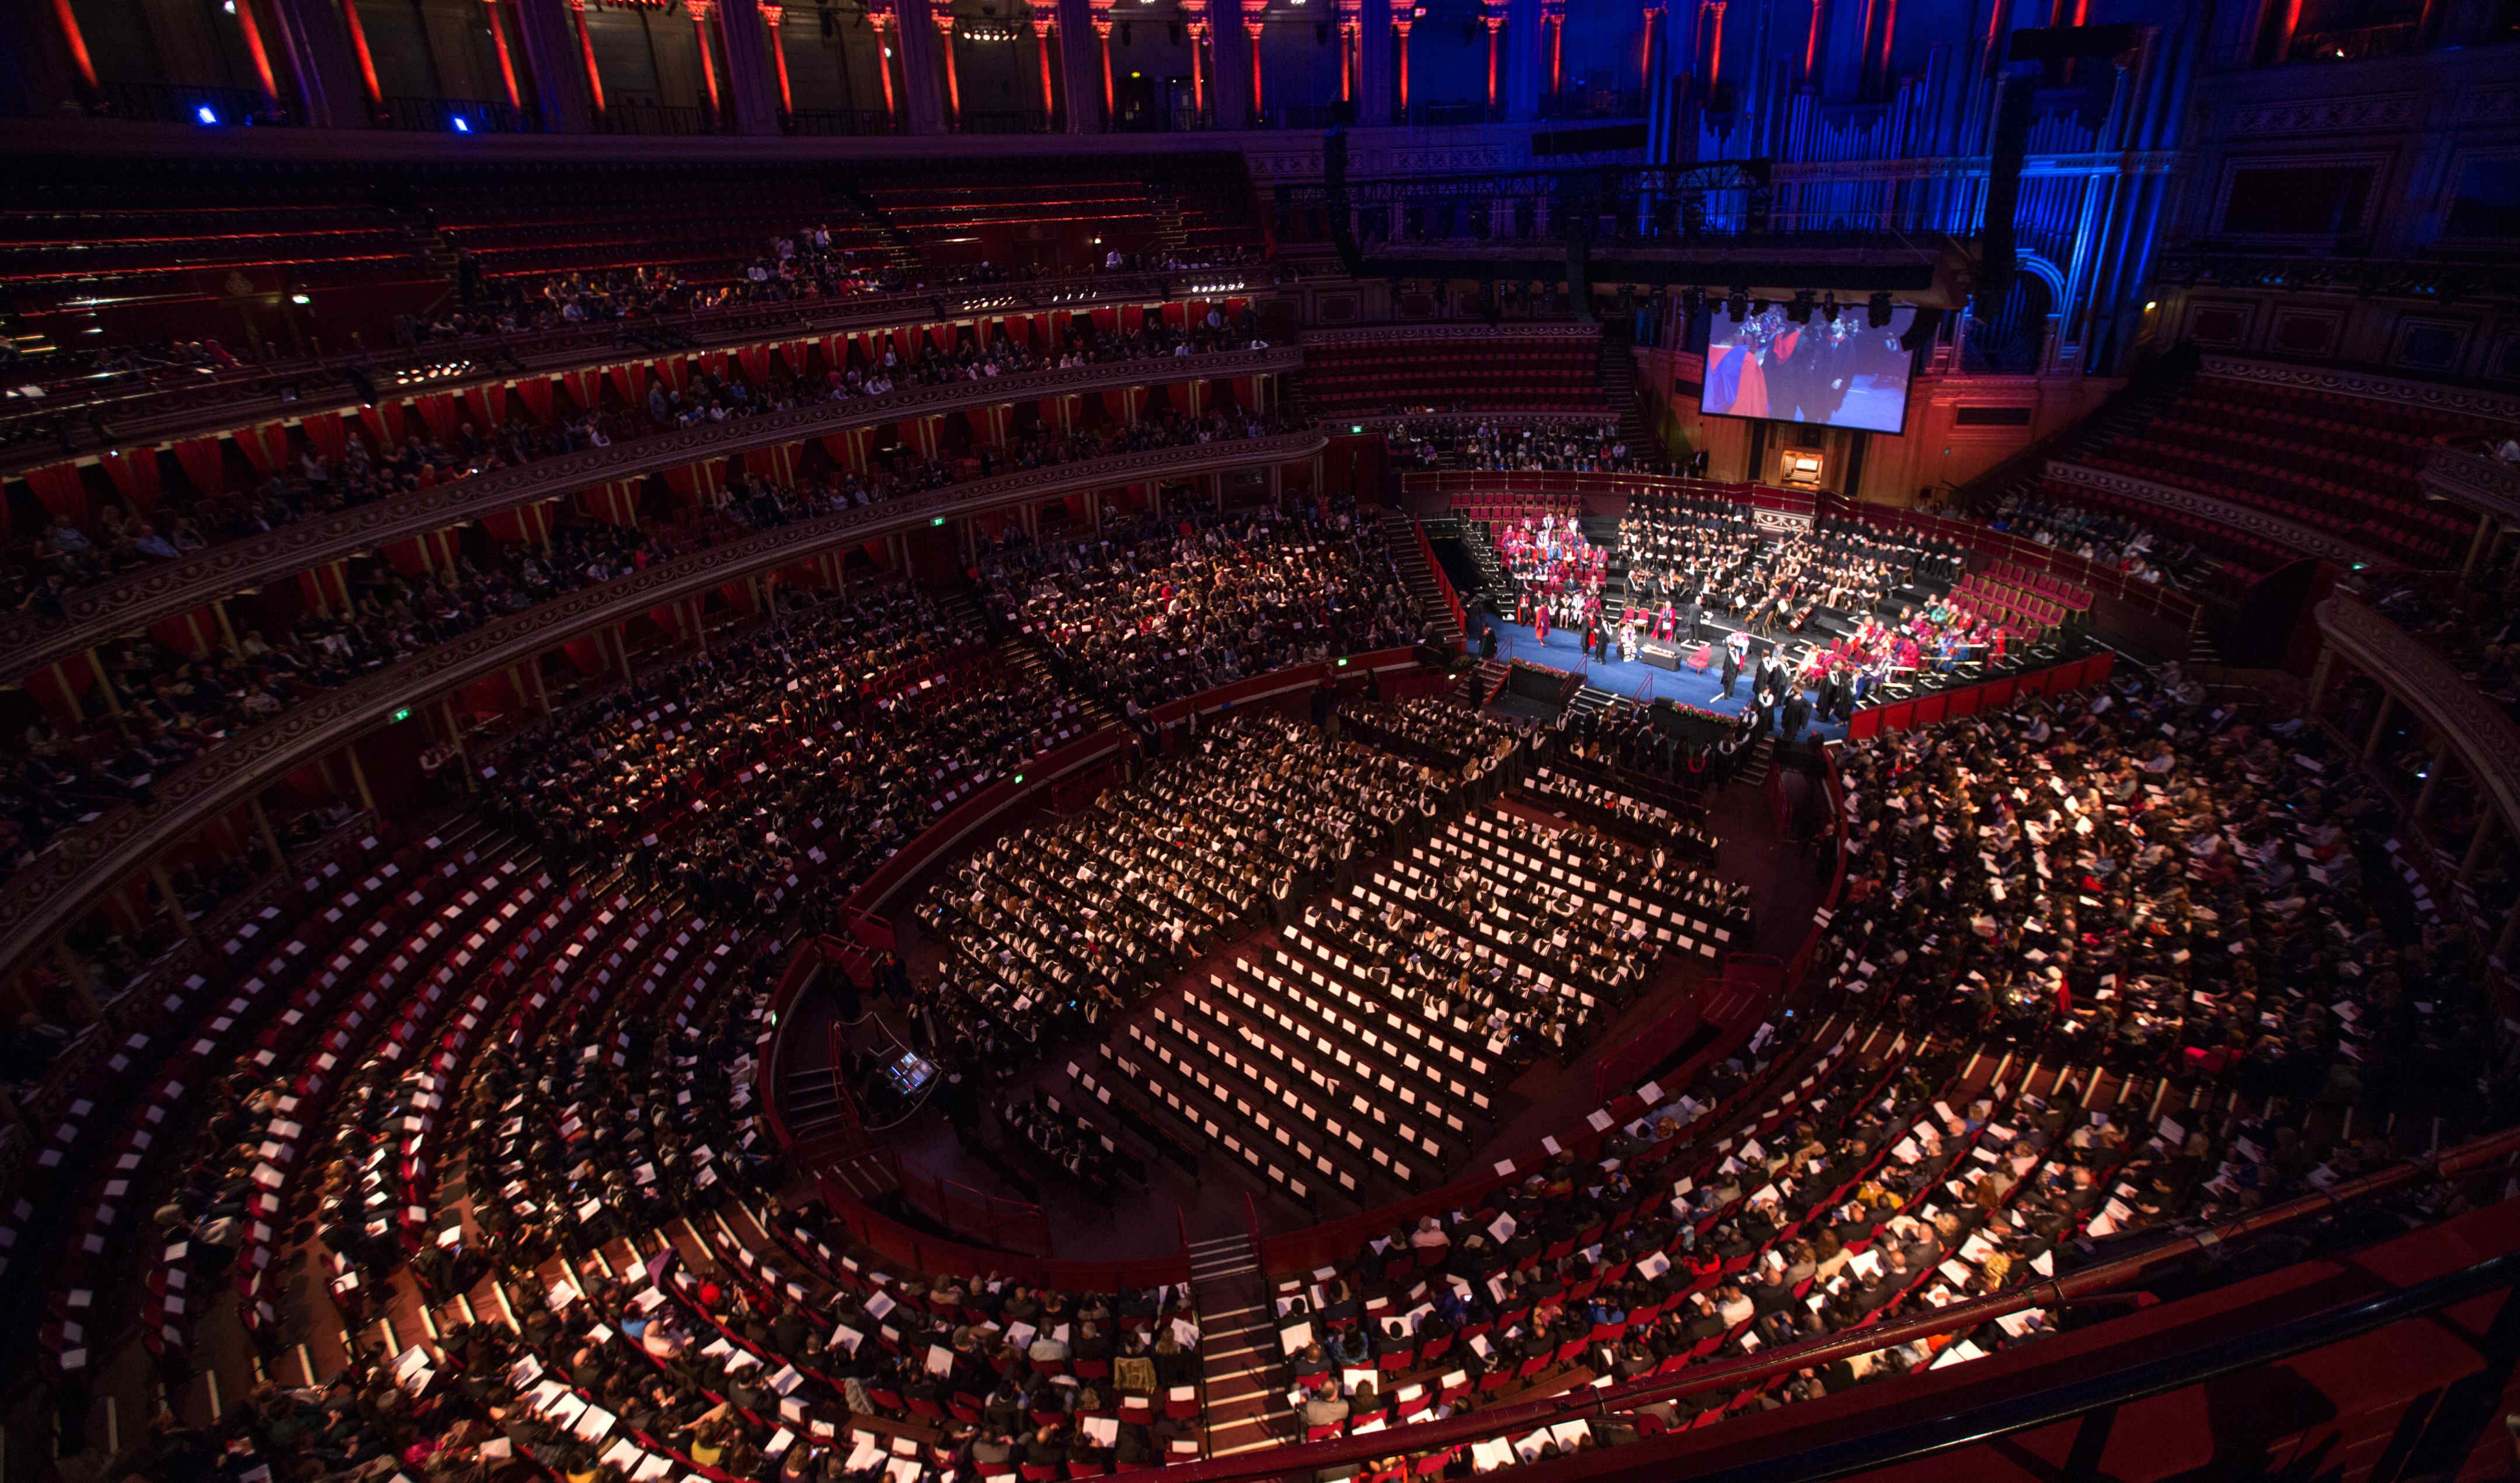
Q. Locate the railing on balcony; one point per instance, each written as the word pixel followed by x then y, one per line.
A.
pixel 655 119
pixel 1576 104
pixel 458 115
pixel 1438 112
pixel 187 103
pixel 1004 121
pixel 837 122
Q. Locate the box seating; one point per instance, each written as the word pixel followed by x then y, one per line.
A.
pixel 2241 556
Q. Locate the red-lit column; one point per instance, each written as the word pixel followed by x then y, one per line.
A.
pixel 1496 24
pixel 1103 46
pixel 944 17
pixel 1042 29
pixel 1652 15
pixel 1552 14
pixel 252 30
pixel 1251 30
pixel 1400 25
pixel 879 15
pixel 359 48
pixel 77 41
pixel 1351 30
pixel 699 10
pixel 771 17
pixel 498 38
pixel 586 47
pixel 1198 33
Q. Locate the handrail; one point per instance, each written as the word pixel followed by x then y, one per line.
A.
pixel 97 613
pixel 1751 1369
pixel 546 352
pixel 1443 581
pixel 84 865
pixel 2414 673
pixel 2472 480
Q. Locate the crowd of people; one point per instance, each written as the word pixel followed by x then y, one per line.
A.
pixel 1050 930
pixel 1589 445
pixel 807 746
pixel 366 465
pixel 1171 602
pixel 2137 550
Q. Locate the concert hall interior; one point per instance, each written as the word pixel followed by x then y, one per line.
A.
pixel 1001 740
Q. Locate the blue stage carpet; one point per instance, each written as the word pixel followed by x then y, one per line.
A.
pixel 1564 651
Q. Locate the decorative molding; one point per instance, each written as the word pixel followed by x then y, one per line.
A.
pixel 2489 104
pixel 1418 334
pixel 2305 539
pixel 2432 396
pixel 2474 724
pixel 132 602
pixel 2476 480
pixel 2369 114
pixel 83 864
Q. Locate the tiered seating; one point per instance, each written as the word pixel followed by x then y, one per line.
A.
pixel 2344 465
pixel 151 1081
pixel 1513 508
pixel 2047 585
pixel 171 253
pixel 1522 374
pixel 2242 557
pixel 704 226
pixel 2019 608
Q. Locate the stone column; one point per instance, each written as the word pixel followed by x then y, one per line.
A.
pixel 923 81
pixel 753 84
pixel 546 32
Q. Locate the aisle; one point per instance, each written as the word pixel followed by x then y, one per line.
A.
pixel 1564 651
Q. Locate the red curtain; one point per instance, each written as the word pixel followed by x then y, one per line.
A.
pixel 756 360
pixel 535 392
pixel 61 489
pixel 632 383
pixel 585 387
pixel 326 433
pixel 204 464
pixel 438 409
pixel 776 464
pixel 265 447
pixel 488 404
pixel 384 422
pixel 134 472
pixel 616 502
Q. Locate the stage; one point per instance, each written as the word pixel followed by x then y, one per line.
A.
pixel 1564 651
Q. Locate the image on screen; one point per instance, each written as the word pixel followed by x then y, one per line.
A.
pixel 1841 374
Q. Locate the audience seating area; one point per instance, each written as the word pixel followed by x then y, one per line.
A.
pixel 2344 465
pixel 1521 374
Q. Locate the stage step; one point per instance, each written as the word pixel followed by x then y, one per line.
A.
pixel 1763 757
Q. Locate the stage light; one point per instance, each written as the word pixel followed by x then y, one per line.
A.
pixel 207 113
pixel 1876 311
pixel 2151 304
pixel 300 298
pixel 462 128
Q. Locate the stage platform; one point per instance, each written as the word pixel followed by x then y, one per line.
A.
pixel 1638 680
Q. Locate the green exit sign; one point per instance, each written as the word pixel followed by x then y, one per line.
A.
pixel 403 714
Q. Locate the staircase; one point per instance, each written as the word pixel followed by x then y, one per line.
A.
pixel 1409 558
pixel 1618 377
pixel 1592 700
pixel 1242 1375
pixel 1761 761
pixel 1481 686
pixel 899 252
pixel 1170 236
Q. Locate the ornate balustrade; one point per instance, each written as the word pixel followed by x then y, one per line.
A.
pixel 2472 478
pixel 29 643
pixel 83 864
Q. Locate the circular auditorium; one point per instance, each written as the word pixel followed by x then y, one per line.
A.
pixel 1611 739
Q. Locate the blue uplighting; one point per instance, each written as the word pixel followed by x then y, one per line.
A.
pixel 463 127
pixel 207 113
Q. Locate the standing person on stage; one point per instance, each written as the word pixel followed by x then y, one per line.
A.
pixel 1539 623
pixel 1798 709
pixel 1732 664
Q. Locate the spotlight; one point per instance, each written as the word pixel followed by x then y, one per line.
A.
pixel 1800 310
pixel 207 113
pixel 462 126
pixel 1876 311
